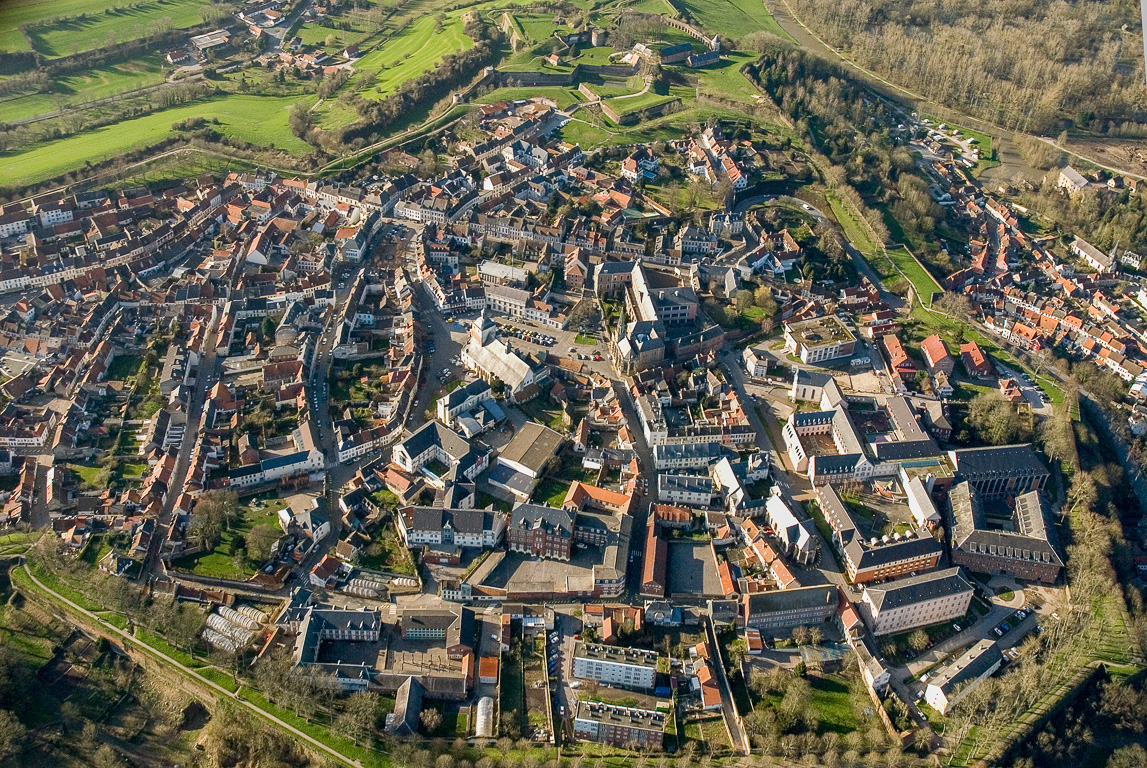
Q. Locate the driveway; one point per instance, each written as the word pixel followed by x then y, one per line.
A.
pixel 981 630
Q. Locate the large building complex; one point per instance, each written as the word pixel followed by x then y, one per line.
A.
pixel 1022 544
pixel 876 557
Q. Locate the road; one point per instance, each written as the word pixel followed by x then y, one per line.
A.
pixel 824 570
pixel 109 629
pixel 208 374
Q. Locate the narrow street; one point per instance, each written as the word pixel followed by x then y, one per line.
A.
pixel 208 374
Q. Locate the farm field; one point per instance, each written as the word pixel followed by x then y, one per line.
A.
pixel 563 97
pixel 99 28
pixel 86 86
pixel 410 53
pixel 315 33
pixel 734 18
pixel 257 119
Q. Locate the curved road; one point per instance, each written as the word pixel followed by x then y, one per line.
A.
pixel 192 673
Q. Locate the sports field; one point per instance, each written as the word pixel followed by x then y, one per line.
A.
pixel 99 28
pixel 410 53
pixel 257 119
pixel 734 18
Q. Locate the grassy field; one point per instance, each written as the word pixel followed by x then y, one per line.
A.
pixel 612 88
pixel 725 78
pixel 563 97
pixel 257 119
pixel 100 28
pixel 551 492
pixel 18 12
pixel 658 94
pixel 923 282
pixel 734 18
pixel 334 114
pixel 220 563
pixel 539 27
pixel 590 131
pixel 597 56
pixel 410 53
pixel 315 33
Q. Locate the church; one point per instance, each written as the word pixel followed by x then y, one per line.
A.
pixel 492 359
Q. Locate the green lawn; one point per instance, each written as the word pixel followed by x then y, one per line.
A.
pixel 220 563
pixel 854 229
pixel 86 473
pixel 102 28
pixel 830 697
pixel 551 492
pixel 257 119
pixel 611 88
pixel 598 56
pixel 410 53
pixel 123 365
pixel 920 278
pixel 734 18
pixel 134 470
pixel 563 97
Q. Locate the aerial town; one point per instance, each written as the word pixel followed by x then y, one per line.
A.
pixel 510 446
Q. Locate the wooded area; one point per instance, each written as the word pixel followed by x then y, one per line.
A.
pixel 1031 66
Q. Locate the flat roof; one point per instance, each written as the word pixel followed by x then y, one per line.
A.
pixel 628 717
pixel 820 332
pixel 612 653
pixel 533 446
